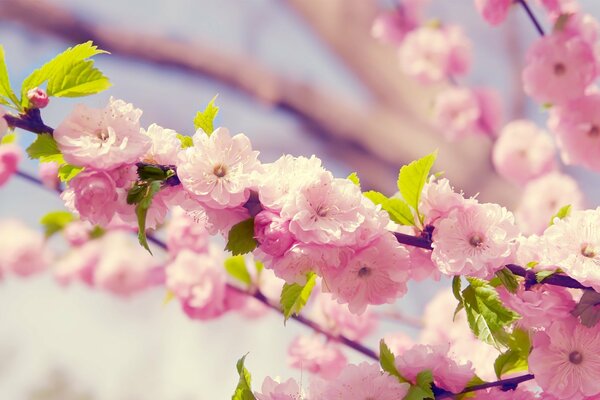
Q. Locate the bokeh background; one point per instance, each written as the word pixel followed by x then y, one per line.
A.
pixel 297 76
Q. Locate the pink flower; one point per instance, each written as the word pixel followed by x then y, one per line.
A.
pixel 493 11
pixel 77 233
pixel 490 106
pixel 79 263
pixel 577 129
pixel 10 156
pixel 543 197
pixel 536 304
pixel 102 138
pixel 124 267
pixel 338 320
pixel 438 198
pixel 447 373
pixel 477 240
pixel 48 172
pixel 456 113
pixel 165 146
pixel 566 360
pixel 301 259
pixel 392 26
pixel 23 251
pixel 362 381
pixel 559 69
pixel 430 54
pixel 183 232
pixel 38 97
pixel 523 152
pixel 199 281
pixel 574 246
pixel 94 196
pixel 312 354
pixel 398 342
pixel 273 390
pixel 374 275
pixel 272 233
pixel 218 169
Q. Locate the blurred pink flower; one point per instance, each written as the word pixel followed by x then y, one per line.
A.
pixel 23 250
pixel 48 172
pixel 456 113
pixel 183 232
pixel 273 390
pixel 310 353
pixel 10 156
pixel 494 11
pixel 338 320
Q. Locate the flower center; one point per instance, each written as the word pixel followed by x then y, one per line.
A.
pixel 476 241
pixel 594 131
pixel 220 170
pixel 321 211
pixel 364 272
pixel 576 357
pixel 588 251
pixel 101 134
pixel 559 69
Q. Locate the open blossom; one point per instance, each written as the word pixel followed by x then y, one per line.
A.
pixel 301 259
pixel 447 373
pixel 543 197
pixel 494 11
pixel 577 128
pixel 566 360
pixel 477 240
pixel 23 250
pixel 575 246
pixel 199 282
pixel 184 232
pixel 359 382
pixel 310 353
pixel 431 54
pixel 438 198
pixel 102 138
pixel 10 156
pixel 165 145
pixel 374 275
pixel 523 152
pixel 338 320
pixel 218 169
pixel 559 68
pixel 273 390
pixel 93 194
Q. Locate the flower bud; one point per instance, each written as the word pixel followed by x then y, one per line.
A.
pixel 38 97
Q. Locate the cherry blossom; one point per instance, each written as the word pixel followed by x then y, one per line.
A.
pixel 311 354
pixel 10 156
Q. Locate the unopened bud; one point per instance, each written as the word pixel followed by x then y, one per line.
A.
pixel 38 97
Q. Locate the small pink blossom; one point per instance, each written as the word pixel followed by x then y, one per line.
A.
pixel 543 197
pixel 477 240
pixel 494 11
pixel 23 250
pixel 102 138
pixel 456 113
pixel 374 275
pixel 165 146
pixel 523 152
pixel 431 54
pixel 10 156
pixel 38 97
pixel 77 233
pixel 559 69
pixel 338 320
pixel 438 198
pixel 392 26
pixel 577 128
pixel 79 263
pixel 48 172
pixel 272 233
pixel 184 232
pixel 218 169
pixel 273 390
pixel 447 373
pixel 94 196
pixel 359 382
pixel 310 353
pixel 301 259
pixel 566 360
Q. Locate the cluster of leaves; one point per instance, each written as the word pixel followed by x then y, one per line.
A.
pixel 45 149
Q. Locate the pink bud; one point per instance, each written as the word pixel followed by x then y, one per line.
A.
pixel 38 97
pixel 272 233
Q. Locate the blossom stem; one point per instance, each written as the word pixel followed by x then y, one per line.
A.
pixel 506 384
pixel 30 121
pixel 532 17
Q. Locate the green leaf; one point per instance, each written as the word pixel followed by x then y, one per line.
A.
pixel 508 280
pixel 240 239
pixel 141 211
pixel 541 275
pixel 97 232
pixel 5 89
pixel 473 382
pixel 150 172
pixel 259 267
pixel 66 172
pixel 10 138
pixel 515 358
pixel 294 296
pixel 205 119
pixel 69 74
pixel 376 197
pixel 486 314
pixel 45 149
pixel 397 209
pixel 563 213
pixel 588 308
pixel 236 267
pixel 423 388
pixel 56 221
pixel 413 177
pixel 456 286
pixel 243 391
pixel 388 361
pixel 186 141
pixel 354 179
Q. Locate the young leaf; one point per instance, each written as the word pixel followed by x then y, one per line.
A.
pixel 486 314
pixel 563 213
pixel 399 212
pixel 588 308
pixel 294 296
pixel 376 197
pixel 186 141
pixel 45 149
pixel 413 177
pixel 541 275
pixel 423 388
pixel 354 179
pixel 66 172
pixel 508 280
pixel 205 119
pixel 240 239
pixel 5 89
pixel 243 391
pixel 56 221
pixel 456 286
pixel 236 267
pixel 141 211
pixel 9 138
pixel 387 361
pixel 509 362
